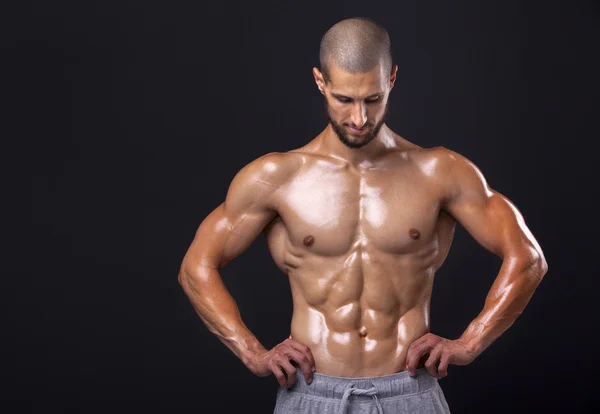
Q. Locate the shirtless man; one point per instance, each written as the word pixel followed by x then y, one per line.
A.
pixel 360 220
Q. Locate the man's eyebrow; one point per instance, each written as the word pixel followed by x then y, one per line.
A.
pixel 339 95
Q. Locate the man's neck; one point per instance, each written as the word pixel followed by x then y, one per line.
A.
pixel 358 157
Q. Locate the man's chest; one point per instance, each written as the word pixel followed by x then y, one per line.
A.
pixel 332 211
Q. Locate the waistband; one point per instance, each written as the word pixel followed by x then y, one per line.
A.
pixel 386 386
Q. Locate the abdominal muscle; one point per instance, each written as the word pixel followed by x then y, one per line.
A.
pixel 360 323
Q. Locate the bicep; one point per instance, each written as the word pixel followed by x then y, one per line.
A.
pixel 490 217
pixel 224 235
pixel 491 220
pixel 231 227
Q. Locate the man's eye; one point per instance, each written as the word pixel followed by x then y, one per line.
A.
pixel 344 100
pixel 372 100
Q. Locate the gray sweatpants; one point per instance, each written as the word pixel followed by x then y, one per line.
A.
pixel 388 394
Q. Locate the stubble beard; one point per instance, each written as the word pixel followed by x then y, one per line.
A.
pixel 339 131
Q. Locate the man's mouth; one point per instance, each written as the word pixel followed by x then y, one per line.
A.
pixel 358 131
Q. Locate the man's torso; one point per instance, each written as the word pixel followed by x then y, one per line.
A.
pixel 360 247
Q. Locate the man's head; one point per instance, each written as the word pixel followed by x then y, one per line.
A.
pixel 356 77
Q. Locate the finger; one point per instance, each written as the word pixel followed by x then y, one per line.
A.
pixel 303 361
pixel 417 342
pixel 443 367
pixel 431 363
pixel 289 369
pixel 305 350
pixel 415 355
pixel 278 372
pixel 413 350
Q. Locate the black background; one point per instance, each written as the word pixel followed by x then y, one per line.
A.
pixel 139 114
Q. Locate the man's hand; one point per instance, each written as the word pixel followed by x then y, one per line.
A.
pixel 279 362
pixel 442 350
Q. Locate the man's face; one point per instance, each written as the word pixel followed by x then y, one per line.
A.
pixel 356 103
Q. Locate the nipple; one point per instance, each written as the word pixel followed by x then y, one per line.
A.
pixel 308 240
pixel 414 234
pixel 363 332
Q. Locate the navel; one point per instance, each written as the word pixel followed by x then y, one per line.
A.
pixel 308 240
pixel 363 332
pixel 414 234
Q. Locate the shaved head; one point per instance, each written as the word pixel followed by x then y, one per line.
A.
pixel 355 45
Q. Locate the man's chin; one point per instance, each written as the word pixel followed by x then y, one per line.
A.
pixel 355 142
pixel 357 139
pixel 350 139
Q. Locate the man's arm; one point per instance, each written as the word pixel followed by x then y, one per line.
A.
pixel 496 224
pixel 223 235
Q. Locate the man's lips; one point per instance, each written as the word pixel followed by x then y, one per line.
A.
pixel 358 131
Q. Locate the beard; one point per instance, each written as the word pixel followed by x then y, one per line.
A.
pixel 344 139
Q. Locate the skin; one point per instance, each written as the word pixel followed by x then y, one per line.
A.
pixel 360 232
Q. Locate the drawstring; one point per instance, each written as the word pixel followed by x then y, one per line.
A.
pixel 372 392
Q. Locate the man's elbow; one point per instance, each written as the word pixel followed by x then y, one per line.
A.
pixel 535 263
pixel 539 261
pixel 543 266
pixel 186 278
pixel 195 276
pixel 182 277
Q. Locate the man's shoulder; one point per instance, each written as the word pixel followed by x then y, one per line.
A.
pixel 449 169
pixel 434 161
pixel 438 153
pixel 275 168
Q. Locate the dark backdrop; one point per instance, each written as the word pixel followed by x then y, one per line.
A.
pixel 139 114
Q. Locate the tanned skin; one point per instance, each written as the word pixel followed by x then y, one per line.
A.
pixel 360 232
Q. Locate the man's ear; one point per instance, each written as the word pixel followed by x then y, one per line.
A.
pixel 319 80
pixel 393 75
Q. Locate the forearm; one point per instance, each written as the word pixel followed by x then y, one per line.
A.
pixel 506 300
pixel 218 310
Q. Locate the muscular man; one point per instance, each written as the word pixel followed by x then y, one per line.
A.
pixel 360 220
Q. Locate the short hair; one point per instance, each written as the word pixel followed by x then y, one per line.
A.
pixel 356 45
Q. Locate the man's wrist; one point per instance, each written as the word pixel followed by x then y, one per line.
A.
pixel 472 340
pixel 249 356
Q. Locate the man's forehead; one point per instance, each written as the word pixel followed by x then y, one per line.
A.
pixel 356 88
pixel 341 80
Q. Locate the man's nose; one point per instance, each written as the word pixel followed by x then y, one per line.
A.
pixel 359 115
